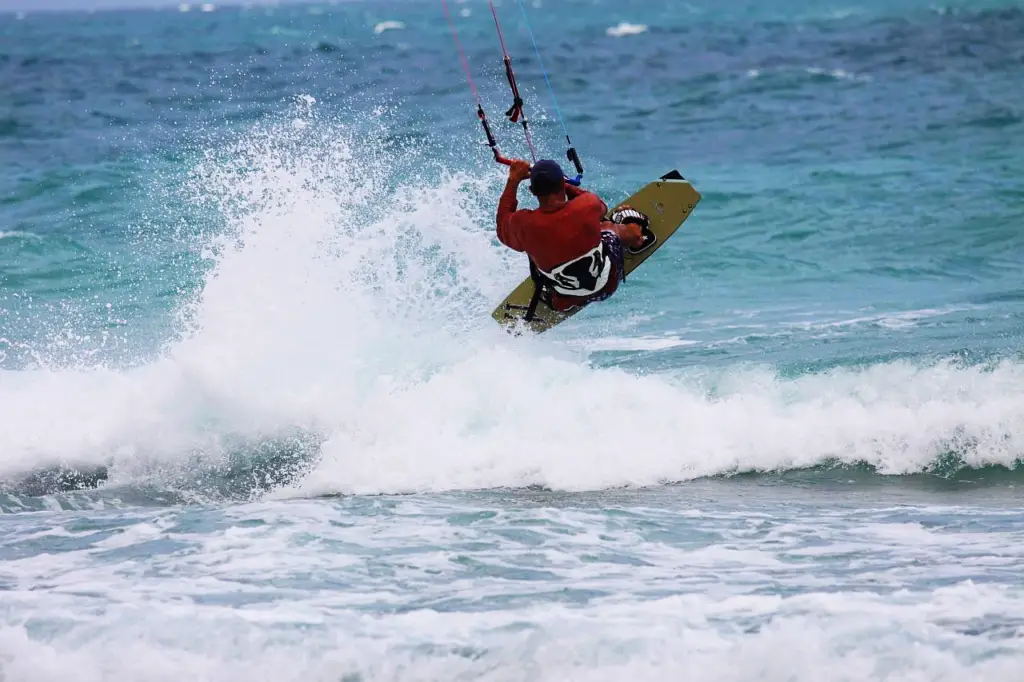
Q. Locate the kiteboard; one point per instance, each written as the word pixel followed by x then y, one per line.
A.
pixel 667 202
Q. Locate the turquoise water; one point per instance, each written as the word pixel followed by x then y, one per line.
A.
pixel 256 421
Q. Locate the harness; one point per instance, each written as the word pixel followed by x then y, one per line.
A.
pixel 582 278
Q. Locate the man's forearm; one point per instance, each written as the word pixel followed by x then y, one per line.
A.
pixel 511 187
pixel 509 201
pixel 507 205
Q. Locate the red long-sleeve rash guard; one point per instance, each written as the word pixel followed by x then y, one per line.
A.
pixel 551 238
pixel 554 237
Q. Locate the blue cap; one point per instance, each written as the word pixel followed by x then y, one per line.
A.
pixel 546 177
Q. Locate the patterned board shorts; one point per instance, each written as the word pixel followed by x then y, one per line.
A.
pixel 612 242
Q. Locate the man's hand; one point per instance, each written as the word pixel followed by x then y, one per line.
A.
pixel 518 171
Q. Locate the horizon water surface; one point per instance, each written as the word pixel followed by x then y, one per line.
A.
pixel 256 421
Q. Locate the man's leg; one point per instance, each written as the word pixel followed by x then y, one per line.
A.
pixel 613 246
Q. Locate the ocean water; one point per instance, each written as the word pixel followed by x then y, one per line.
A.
pixel 257 423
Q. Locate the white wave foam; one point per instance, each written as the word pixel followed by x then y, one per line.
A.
pixel 646 343
pixel 626 29
pixel 17 234
pixel 143 635
pixel 904 319
pixel 339 305
pixel 388 26
pixel 788 591
pixel 839 74
pixel 845 13
pixel 498 426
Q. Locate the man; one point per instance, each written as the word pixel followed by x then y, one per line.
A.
pixel 576 255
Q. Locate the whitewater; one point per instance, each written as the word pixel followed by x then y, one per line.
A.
pixel 257 422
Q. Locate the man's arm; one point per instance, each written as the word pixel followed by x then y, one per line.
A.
pixel 508 233
pixel 630 234
pixel 593 202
